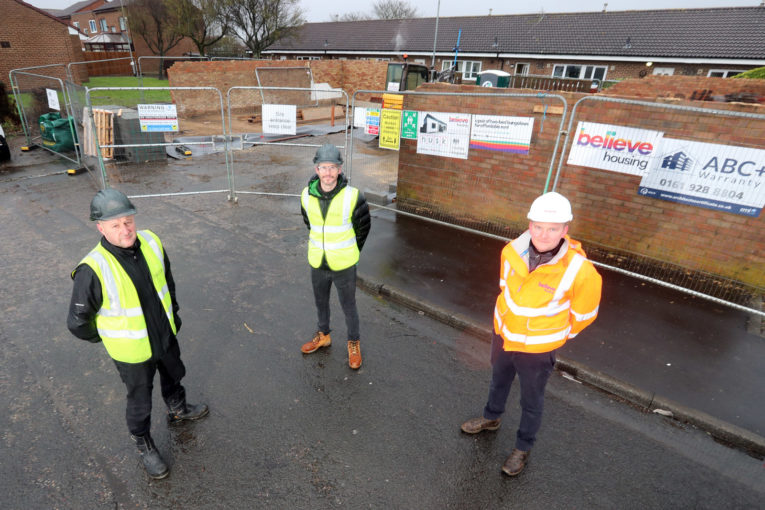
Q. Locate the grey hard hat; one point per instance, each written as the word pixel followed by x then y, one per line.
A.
pixel 109 204
pixel 328 153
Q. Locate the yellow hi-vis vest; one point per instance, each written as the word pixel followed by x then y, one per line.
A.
pixel 332 237
pixel 120 321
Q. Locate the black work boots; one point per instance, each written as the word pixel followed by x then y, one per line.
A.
pixel 186 412
pixel 152 461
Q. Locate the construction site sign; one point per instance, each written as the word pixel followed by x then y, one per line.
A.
pixel 709 175
pixel 409 125
pixel 622 149
pixel 279 119
pixel 501 133
pixel 444 134
pixel 372 122
pixel 157 117
pixel 390 129
pixel 53 103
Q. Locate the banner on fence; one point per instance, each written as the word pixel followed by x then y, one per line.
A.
pixel 708 175
pixel 616 148
pixel 501 133
pixel 279 119
pixel 372 121
pixel 444 134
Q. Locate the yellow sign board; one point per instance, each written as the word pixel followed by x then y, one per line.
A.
pixel 390 129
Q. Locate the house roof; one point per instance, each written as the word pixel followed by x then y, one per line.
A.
pixel 732 33
pixel 68 11
pixel 43 12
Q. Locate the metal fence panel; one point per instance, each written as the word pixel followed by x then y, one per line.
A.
pixel 677 240
pixel 308 117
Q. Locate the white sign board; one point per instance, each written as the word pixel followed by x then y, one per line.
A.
pixel 443 134
pixel 359 117
pixel 616 148
pixel 709 175
pixel 53 99
pixel 280 119
pixel 157 117
pixel 500 133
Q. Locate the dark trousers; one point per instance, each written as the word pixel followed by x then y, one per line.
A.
pixel 345 283
pixel 139 380
pixel 533 372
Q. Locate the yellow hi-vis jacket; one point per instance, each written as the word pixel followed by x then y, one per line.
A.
pixel 120 321
pixel 332 237
pixel 539 311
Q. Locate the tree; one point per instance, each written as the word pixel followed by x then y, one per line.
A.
pixel 156 24
pixel 350 16
pixel 260 23
pixel 394 9
pixel 203 21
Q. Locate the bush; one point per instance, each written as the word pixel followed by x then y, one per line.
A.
pixel 753 74
pixel 9 116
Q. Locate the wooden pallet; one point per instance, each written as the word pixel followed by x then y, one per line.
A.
pixel 104 123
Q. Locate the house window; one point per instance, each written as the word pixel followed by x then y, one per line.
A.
pixel 723 73
pixel 76 24
pixel 92 24
pixel 664 71
pixel 104 26
pixel 123 24
pixel 521 68
pixel 580 72
pixel 468 68
pixel 5 44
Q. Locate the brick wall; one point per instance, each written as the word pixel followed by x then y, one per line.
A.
pixel 690 87
pixel 35 39
pixel 350 75
pixel 493 190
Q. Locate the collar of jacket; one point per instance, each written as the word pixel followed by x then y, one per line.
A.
pixel 121 252
pixel 521 247
pixel 314 187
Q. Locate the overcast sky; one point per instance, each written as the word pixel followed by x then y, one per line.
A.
pixel 320 10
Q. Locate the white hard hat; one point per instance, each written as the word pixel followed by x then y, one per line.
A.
pixel 551 207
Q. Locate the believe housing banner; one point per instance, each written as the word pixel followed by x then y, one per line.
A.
pixel 616 148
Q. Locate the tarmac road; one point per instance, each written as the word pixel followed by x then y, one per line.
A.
pixel 287 430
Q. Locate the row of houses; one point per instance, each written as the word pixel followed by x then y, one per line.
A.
pixel 717 42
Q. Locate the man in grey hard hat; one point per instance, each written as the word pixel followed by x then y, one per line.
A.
pixel 124 297
pixel 337 217
pixel 549 292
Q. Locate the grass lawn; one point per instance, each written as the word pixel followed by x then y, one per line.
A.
pixel 128 98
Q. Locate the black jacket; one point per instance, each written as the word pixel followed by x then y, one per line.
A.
pixel 87 298
pixel 360 218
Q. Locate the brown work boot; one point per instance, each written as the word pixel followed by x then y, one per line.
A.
pixel 476 425
pixel 318 340
pixel 354 354
pixel 515 462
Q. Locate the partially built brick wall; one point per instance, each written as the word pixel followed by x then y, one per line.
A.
pixel 691 87
pixel 493 190
pixel 349 75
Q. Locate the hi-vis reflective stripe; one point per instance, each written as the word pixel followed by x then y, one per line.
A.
pixel 533 339
pixel 123 333
pixel 333 246
pixel 145 238
pixel 345 227
pixel 551 309
pixel 585 316
pixel 568 277
pixel 112 292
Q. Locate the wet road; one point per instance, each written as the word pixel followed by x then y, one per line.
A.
pixel 288 431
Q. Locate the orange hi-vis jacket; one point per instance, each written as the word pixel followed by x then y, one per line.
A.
pixel 539 311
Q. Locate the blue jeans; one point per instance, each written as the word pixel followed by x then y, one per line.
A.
pixel 345 283
pixel 533 372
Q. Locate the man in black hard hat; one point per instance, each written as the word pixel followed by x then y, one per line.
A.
pixel 124 296
pixel 337 217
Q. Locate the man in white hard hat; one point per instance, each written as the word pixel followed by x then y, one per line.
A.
pixel 549 293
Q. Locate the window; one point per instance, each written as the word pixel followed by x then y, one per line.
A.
pixel 123 24
pixel 580 72
pixel 723 73
pixel 76 24
pixel 521 68
pixel 664 71
pixel 104 26
pixel 468 68
pixel 308 58
pixel 92 24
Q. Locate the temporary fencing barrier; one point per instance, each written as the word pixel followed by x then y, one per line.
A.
pixel 283 125
pixel 141 136
pixel 670 193
pixel 456 150
pixel 45 113
pixel 117 63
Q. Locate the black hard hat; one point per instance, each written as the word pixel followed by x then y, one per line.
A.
pixel 109 204
pixel 328 153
